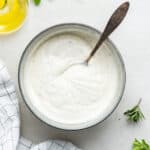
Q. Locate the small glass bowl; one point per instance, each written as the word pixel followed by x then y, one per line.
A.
pixel 12 15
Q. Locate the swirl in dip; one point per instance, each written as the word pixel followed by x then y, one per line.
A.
pixel 77 95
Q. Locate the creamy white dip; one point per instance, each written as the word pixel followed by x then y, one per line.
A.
pixel 80 93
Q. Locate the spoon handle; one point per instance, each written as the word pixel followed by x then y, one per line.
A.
pixel 114 21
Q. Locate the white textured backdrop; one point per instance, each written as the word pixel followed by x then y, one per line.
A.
pixel 133 41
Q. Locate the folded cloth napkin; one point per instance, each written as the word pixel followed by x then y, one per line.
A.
pixel 10 121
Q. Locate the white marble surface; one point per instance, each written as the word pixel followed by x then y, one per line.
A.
pixel 132 39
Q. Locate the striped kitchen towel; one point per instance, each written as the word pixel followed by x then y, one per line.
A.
pixel 10 121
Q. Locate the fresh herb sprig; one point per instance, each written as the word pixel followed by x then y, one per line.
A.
pixel 135 114
pixel 37 2
pixel 140 145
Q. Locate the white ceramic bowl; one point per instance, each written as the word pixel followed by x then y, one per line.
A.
pixel 40 39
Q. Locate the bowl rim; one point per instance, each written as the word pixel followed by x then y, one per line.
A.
pixel 90 28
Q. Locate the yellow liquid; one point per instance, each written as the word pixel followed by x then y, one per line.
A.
pixel 12 14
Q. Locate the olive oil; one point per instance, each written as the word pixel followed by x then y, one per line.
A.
pixel 12 14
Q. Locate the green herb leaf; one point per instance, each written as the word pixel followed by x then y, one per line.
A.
pixel 140 145
pixel 135 114
pixel 37 2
